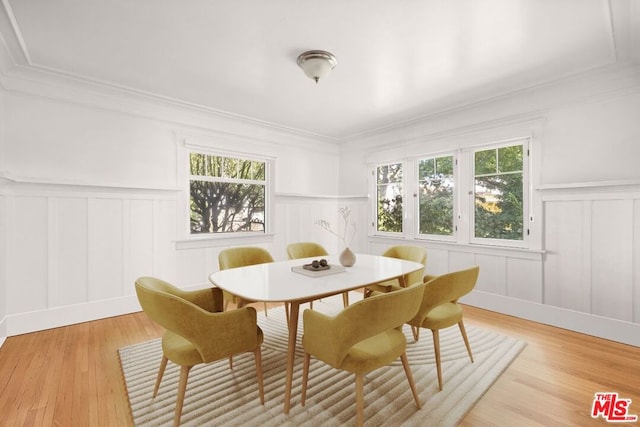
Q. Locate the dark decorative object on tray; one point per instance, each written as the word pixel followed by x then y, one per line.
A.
pixel 317 265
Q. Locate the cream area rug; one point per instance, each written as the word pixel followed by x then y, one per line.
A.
pixel 219 396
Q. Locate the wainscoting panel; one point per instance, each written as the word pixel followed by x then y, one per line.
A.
pixel 138 249
pixel 27 284
pixel 493 276
pixel 524 279
pixel 564 284
pixel 592 261
pixel 106 249
pixel 611 258
pixel 73 252
pixel 68 251
pixel 437 262
pixel 636 261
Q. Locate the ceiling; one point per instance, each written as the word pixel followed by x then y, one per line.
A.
pixel 397 60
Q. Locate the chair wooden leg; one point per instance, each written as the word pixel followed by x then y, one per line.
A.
pixel 407 370
pixel 311 305
pixel 230 362
pixel 466 340
pixel 360 399
pixel 163 365
pixel 265 309
pixel 182 388
pixel 305 377
pixel 416 332
pixel 345 299
pixel 436 349
pixel 257 353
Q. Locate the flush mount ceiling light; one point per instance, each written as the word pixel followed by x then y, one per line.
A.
pixel 316 64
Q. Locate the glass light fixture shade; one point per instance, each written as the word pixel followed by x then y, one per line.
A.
pixel 316 64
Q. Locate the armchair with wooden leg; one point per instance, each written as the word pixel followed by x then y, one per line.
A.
pixel 242 257
pixel 197 330
pixel 363 337
pixel 408 253
pixel 440 308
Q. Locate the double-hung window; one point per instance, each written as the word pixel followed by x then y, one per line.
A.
pixel 475 194
pixel 389 193
pixel 499 205
pixel 435 196
pixel 227 194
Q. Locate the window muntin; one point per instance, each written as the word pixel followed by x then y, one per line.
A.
pixel 436 198
pixel 498 211
pixel 389 206
pixel 227 194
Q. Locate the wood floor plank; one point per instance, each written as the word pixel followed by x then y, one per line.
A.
pixel 71 376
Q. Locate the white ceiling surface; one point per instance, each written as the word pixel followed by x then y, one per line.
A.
pixel 397 60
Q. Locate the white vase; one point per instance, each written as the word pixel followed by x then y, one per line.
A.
pixel 347 258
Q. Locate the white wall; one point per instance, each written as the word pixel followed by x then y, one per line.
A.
pixel 586 136
pixel 91 192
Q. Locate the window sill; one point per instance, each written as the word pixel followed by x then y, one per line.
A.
pixel 511 252
pixel 210 241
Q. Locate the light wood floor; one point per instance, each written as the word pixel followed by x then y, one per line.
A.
pixel 71 376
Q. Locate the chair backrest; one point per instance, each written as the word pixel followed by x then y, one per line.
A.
pixel 367 318
pixel 409 253
pixel 446 288
pixel 162 303
pixel 243 256
pixel 305 250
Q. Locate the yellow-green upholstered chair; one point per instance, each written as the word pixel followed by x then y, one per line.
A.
pixel 363 337
pixel 311 249
pixel 197 330
pixel 440 308
pixel 408 253
pixel 242 257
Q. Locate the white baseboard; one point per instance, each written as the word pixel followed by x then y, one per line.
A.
pixel 598 326
pixel 3 330
pixel 33 321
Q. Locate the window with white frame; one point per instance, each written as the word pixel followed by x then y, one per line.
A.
pixel 473 195
pixel 435 197
pixel 499 193
pixel 389 206
pixel 227 194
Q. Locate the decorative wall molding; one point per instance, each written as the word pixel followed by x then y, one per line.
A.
pixel 603 327
pixel 23 182
pixel 309 197
pixel 627 184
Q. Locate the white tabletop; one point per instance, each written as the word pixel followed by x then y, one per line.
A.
pixel 275 282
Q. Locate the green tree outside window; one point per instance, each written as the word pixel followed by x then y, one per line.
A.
pixel 498 193
pixel 227 194
pixel 389 196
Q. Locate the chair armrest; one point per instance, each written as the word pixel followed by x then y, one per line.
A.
pixel 321 337
pixel 222 334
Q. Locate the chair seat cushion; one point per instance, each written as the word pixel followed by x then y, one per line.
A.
pixel 372 353
pixel 443 316
pixel 180 350
pixel 384 287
